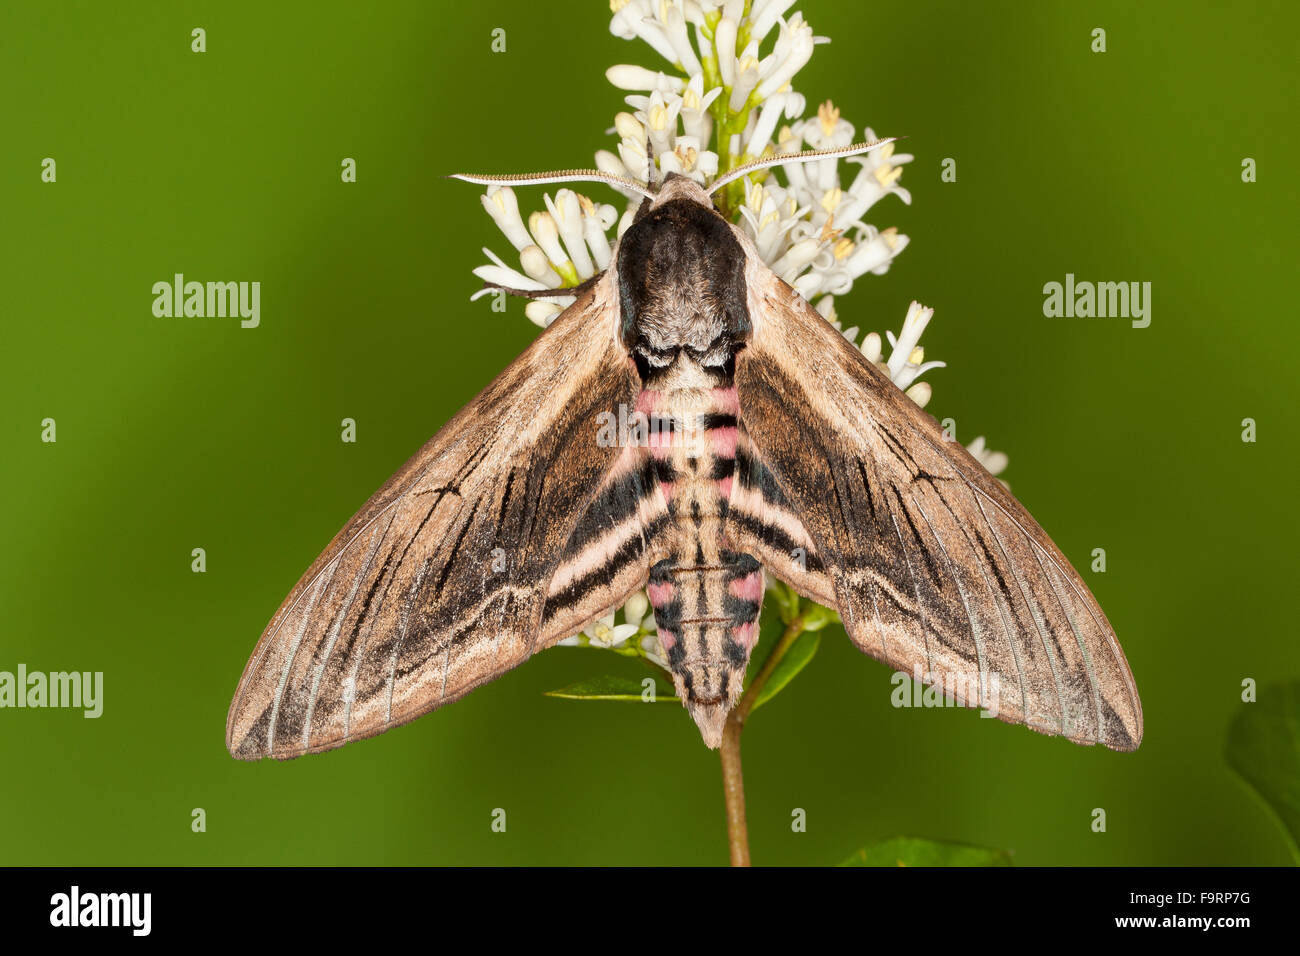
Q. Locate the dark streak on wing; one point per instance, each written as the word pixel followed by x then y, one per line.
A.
pixel 405 609
pixel 760 522
pixel 952 574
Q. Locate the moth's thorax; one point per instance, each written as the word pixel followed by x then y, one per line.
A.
pixel 681 287
pixel 706 597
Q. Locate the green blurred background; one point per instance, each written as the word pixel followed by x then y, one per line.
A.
pixel 182 433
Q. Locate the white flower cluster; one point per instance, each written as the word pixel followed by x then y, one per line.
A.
pixel 637 636
pixel 906 362
pixel 720 103
pixel 563 246
pixel 727 87
pixel 810 231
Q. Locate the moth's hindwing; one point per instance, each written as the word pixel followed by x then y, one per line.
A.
pixel 934 567
pixel 441 581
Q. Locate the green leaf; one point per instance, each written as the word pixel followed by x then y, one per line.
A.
pixel 911 851
pixel 1264 748
pixel 815 617
pixel 786 600
pixel 609 687
pixel 795 660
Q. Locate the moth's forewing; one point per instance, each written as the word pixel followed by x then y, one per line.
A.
pixel 441 581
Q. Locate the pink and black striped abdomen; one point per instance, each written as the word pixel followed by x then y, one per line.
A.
pixel 706 598
pixel 708 625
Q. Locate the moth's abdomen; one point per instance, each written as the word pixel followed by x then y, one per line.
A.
pixel 707 617
pixel 706 598
pixel 692 437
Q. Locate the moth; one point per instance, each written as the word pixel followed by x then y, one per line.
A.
pixel 775 444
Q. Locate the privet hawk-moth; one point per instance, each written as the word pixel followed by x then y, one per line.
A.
pixel 772 443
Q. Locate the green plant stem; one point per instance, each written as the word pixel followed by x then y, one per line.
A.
pixel 733 778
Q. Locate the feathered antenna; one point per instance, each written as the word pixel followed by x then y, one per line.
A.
pixel 556 176
pixel 783 159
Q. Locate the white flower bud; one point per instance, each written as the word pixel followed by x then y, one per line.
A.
pixel 503 207
pixel 595 221
pixel 871 347
pixel 567 213
pixel 766 126
pixel 628 215
pixel 724 39
pixel 547 234
pixel 747 77
pixel 675 28
pixel 625 76
pixel 763 16
pixel 542 311
pixel 629 127
pixel 798 256
pixel 919 393
pixel 502 275
pixel 635 608
pixel 808 284
pixel 538 267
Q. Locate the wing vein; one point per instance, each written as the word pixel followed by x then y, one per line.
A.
pixel 920 610
pixel 1034 614
pixel 1083 647
pixel 334 632
pixel 976 636
pixel 293 653
pixel 265 644
pixel 1006 625
pixel 338 621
